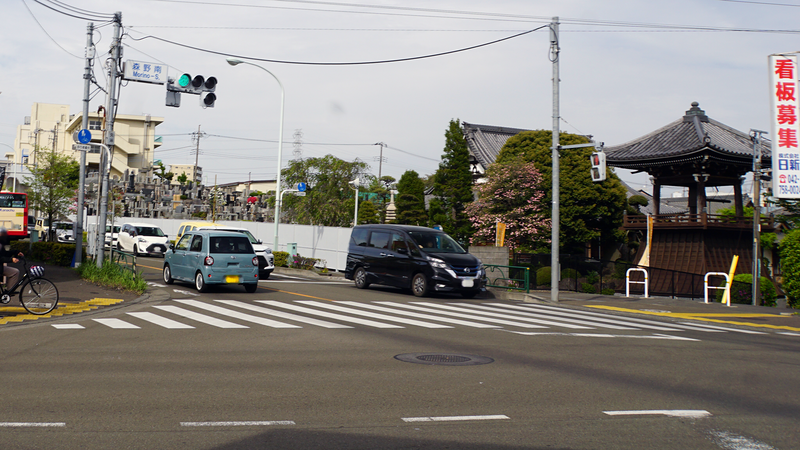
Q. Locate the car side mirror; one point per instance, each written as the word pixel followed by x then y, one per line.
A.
pixel 172 246
pixel 258 242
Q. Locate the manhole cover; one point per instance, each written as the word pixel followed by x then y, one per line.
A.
pixel 444 359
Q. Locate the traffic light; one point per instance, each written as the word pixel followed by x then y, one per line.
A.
pixel 598 160
pixel 198 85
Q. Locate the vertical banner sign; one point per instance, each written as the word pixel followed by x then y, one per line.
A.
pixel 500 235
pixel 785 126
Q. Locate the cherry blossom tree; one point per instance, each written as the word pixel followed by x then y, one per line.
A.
pixel 512 194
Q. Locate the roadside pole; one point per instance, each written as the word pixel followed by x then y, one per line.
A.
pixel 87 82
pixel 555 272
pixel 109 135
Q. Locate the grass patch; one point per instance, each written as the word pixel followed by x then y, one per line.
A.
pixel 112 275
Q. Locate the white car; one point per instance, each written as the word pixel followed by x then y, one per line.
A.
pixel 266 261
pixel 111 236
pixel 142 238
pixel 64 232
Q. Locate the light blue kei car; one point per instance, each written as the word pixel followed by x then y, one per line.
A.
pixel 208 257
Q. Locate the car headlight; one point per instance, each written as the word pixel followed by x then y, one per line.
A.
pixel 437 263
pixel 141 239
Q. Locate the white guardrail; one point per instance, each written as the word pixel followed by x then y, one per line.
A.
pixel 706 287
pixel 628 281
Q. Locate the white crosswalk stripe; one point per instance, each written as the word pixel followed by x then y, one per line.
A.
pixel 301 314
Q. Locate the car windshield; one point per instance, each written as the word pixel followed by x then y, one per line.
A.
pixel 108 229
pixel 435 242
pixel 64 226
pixel 230 244
pixel 149 231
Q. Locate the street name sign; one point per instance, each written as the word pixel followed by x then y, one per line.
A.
pixel 145 72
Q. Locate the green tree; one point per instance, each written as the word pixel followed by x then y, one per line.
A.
pixel 453 184
pixel 182 178
pixel 589 210
pixel 52 184
pixel 329 199
pixel 367 212
pixel 161 172
pixel 410 201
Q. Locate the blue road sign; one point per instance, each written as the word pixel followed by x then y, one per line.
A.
pixel 84 136
pixel 301 187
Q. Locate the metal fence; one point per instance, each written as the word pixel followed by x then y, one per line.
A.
pixel 508 277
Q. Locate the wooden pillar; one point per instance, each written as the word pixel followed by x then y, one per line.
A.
pixel 692 200
pixel 737 199
pixel 656 198
pixel 701 194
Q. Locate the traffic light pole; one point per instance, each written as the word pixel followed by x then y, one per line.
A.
pixel 555 272
pixel 87 83
pixel 105 164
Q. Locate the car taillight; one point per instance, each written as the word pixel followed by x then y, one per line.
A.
pixel 209 261
pixel 255 260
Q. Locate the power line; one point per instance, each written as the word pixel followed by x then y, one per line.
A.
pixel 48 34
pixel 308 63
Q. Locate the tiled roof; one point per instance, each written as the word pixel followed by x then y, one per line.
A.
pixel 485 141
pixel 693 136
pixel 665 207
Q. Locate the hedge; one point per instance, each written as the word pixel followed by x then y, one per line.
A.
pixel 53 253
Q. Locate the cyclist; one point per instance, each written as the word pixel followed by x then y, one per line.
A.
pixel 7 256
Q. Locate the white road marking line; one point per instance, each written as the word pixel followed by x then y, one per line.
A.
pixel 185 292
pixel 238 315
pixel 67 326
pixel 788 333
pixel 623 320
pixel 730 441
pixel 31 424
pixel 328 315
pixel 371 315
pixel 419 315
pixel 271 281
pixel 555 320
pixel 199 317
pixel 117 324
pixel 627 336
pixel 598 323
pixel 714 327
pixel 246 423
pixel 283 315
pixel 160 321
pixel 459 314
pixel 455 418
pixel 686 413
pixel 150 283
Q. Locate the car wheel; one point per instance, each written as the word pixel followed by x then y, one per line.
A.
pixel 200 282
pixel 360 278
pixel 469 294
pixel 251 287
pixel 167 274
pixel 419 285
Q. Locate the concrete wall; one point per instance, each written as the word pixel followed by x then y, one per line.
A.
pixel 491 255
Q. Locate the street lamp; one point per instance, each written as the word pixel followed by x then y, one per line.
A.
pixel 355 184
pixel 234 62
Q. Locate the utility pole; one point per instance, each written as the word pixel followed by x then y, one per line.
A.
pixel 380 159
pixel 555 269
pixel 756 137
pixel 116 53
pixel 87 82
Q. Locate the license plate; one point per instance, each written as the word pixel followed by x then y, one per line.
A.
pixel 232 278
pixel 467 283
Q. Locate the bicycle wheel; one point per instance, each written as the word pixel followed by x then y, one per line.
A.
pixel 39 296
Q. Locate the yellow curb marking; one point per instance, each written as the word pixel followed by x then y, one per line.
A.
pixel 61 310
pixel 706 317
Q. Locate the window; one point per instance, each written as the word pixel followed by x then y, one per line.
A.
pixel 380 239
pixel 149 231
pixel 398 242
pixel 197 244
pixel 95 125
pixel 359 237
pixel 230 244
pixel 183 244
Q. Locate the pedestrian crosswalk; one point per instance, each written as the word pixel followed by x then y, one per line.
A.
pixel 521 318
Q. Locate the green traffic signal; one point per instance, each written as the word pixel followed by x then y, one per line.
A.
pixel 184 80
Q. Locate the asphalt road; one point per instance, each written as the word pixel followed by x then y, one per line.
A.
pixel 280 369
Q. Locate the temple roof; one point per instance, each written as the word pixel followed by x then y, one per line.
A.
pixel 485 141
pixel 693 137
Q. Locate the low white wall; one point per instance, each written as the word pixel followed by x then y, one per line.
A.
pixel 326 243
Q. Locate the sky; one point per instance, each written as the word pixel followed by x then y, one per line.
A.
pixel 627 68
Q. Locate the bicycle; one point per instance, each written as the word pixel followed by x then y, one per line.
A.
pixel 38 295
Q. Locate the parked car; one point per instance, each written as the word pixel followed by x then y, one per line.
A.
pixel 142 238
pixel 266 260
pixel 417 258
pixel 64 232
pixel 207 257
pixel 193 225
pixel 112 233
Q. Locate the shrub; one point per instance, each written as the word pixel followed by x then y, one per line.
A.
pixel 543 276
pixel 570 274
pixel 608 291
pixel 281 259
pixel 54 253
pixel 592 277
pixel 742 290
pixel 790 262
pixel 113 275
pixel 301 262
pixel 588 288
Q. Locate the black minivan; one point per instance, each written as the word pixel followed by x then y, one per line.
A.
pixel 422 259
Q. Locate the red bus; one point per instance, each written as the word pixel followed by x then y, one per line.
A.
pixel 14 214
